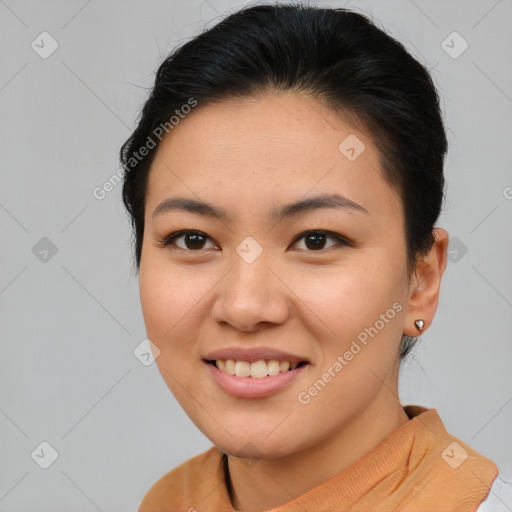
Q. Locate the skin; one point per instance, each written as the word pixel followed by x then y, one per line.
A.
pixel 247 157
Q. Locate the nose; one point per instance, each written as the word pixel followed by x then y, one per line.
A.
pixel 250 296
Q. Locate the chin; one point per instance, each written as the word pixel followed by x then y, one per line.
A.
pixel 254 445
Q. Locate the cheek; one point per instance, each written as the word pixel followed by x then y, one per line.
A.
pixel 158 300
pixel 168 296
pixel 351 297
pixel 355 313
pixel 170 300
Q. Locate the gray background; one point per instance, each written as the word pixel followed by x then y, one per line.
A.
pixel 70 321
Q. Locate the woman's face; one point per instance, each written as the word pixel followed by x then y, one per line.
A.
pixel 254 285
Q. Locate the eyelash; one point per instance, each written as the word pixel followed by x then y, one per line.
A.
pixel 172 237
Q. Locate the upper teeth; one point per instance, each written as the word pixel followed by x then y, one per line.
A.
pixel 257 370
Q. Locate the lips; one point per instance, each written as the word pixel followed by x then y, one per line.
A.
pixel 254 354
pixel 248 387
pixel 254 372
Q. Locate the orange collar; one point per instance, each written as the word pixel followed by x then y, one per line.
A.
pixel 419 467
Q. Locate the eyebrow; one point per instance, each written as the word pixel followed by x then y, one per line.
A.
pixel 283 212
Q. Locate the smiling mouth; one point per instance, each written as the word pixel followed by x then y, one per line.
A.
pixel 257 369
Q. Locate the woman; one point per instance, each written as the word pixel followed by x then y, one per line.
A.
pixel 284 182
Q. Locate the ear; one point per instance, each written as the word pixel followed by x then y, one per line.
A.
pixel 425 283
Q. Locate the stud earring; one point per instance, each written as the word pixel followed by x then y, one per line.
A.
pixel 419 324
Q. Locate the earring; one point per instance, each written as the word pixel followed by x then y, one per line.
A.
pixel 419 324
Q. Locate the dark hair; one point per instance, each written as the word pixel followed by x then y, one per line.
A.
pixel 337 56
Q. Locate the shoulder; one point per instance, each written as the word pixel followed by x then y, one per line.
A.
pixel 452 464
pixel 499 498
pixel 183 484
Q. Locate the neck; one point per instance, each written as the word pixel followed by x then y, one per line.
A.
pixel 271 483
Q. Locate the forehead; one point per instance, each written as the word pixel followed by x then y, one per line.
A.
pixel 267 150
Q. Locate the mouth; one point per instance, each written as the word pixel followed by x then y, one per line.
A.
pixel 255 379
pixel 256 369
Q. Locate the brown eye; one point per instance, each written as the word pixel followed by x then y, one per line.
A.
pixel 190 240
pixel 194 241
pixel 316 240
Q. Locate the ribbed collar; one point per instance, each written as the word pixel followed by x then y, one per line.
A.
pixel 419 467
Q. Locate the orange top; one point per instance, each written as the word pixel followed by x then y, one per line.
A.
pixel 420 467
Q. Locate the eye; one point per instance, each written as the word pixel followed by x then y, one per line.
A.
pixel 315 240
pixel 192 240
